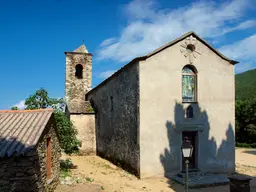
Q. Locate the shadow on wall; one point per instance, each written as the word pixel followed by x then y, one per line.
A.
pixel 208 157
pixel 19 173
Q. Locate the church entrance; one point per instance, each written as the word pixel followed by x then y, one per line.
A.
pixel 192 136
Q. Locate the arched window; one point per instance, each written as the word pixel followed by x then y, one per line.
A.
pixel 189 84
pixel 189 112
pixel 79 71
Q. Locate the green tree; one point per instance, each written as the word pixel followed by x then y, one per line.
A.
pixel 41 100
pixel 14 108
pixel 246 120
pixel 65 128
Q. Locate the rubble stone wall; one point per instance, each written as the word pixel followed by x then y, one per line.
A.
pixel 116 105
pixel 76 88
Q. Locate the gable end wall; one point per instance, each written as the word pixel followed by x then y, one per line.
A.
pixel 162 113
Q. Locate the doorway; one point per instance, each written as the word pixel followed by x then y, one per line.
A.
pixel 191 135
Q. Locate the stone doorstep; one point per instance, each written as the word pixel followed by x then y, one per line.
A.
pixel 200 180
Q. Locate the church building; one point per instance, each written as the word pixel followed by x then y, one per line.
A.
pixel 139 116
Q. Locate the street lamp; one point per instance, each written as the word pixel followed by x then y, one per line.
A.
pixel 187 150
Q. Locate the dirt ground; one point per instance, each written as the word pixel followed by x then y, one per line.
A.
pixel 97 174
pixel 246 156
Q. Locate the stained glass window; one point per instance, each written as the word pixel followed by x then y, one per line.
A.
pixel 188 84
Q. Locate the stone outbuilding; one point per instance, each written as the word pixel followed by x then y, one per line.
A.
pixel 29 151
pixel 143 112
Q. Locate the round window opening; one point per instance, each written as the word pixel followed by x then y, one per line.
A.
pixel 190 48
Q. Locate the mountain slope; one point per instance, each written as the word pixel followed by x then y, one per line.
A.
pixel 246 84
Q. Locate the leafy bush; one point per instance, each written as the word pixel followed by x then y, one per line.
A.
pixel 246 120
pixel 65 166
pixel 91 110
pixel 66 132
pixel 15 108
pixel 246 145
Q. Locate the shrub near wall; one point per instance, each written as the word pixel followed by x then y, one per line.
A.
pixel 66 132
pixel 246 145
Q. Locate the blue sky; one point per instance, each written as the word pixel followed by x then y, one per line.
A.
pixel 36 33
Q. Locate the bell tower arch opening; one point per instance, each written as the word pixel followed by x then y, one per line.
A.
pixel 79 71
pixel 78 74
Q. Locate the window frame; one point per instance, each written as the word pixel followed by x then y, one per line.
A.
pixel 193 69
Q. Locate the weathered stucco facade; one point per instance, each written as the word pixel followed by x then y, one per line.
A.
pixel 162 112
pixel 141 116
pixel 85 124
pixel 28 172
pixel 117 119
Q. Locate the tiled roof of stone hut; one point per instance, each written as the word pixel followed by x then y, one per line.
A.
pixel 20 130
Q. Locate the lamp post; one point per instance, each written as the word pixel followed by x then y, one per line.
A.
pixel 187 150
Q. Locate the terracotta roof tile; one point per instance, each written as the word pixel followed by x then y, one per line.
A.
pixel 20 130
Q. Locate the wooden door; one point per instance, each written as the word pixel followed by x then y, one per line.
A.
pixel 191 135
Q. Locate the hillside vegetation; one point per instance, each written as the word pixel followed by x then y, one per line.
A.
pixel 246 84
pixel 246 109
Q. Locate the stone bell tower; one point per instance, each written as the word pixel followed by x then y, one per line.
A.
pixel 78 83
pixel 78 74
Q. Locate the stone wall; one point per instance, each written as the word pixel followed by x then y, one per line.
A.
pixel 19 173
pixel 85 125
pixel 49 184
pixel 117 123
pixel 76 88
pixel 28 173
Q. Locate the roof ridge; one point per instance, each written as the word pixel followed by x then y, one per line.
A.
pixel 199 38
pixel 159 49
pixel 26 110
